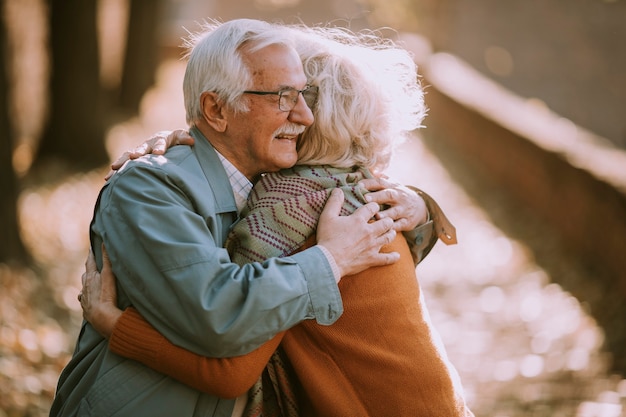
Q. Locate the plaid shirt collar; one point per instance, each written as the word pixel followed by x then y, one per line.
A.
pixel 240 184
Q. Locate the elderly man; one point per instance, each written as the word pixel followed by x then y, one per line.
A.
pixel 164 220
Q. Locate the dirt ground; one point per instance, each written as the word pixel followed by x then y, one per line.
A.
pixel 522 346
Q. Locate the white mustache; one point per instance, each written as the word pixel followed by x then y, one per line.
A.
pixel 290 129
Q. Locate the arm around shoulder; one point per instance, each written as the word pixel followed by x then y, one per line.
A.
pixel 160 226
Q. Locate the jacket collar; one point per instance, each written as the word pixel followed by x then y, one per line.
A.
pixel 214 172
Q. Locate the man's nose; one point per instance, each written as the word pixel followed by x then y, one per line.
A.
pixel 301 113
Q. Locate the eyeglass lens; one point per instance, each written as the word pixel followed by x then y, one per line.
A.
pixel 289 98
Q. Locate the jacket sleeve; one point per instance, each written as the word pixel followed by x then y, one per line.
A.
pixel 163 235
pixel 134 338
pixel 423 238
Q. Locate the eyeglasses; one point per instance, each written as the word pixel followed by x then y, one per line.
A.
pixel 288 97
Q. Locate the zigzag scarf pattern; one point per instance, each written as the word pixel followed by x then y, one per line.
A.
pixel 284 207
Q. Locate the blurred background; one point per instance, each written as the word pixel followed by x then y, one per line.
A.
pixel 523 148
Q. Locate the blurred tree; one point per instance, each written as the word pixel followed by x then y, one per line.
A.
pixel 75 131
pixel 141 52
pixel 11 246
pixel 78 112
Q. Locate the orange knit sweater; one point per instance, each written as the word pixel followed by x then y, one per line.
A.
pixel 381 358
pixel 134 338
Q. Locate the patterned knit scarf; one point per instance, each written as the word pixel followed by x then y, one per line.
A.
pixel 284 207
pixel 282 212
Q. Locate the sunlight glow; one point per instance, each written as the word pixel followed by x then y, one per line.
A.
pixel 492 299
pixel 531 366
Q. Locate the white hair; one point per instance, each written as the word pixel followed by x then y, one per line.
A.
pixel 215 61
pixel 370 97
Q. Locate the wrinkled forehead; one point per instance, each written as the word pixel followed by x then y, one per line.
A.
pixel 275 65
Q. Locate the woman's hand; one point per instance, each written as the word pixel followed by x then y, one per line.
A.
pixel 157 145
pixel 407 209
pixel 98 298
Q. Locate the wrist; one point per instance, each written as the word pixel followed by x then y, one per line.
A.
pixel 332 262
pixel 106 320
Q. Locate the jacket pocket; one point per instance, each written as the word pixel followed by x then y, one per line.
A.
pixel 124 383
pixel 130 389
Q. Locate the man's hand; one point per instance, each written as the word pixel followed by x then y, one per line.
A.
pixel 355 241
pixel 406 208
pixel 157 145
pixel 98 298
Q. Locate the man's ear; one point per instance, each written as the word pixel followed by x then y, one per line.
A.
pixel 212 110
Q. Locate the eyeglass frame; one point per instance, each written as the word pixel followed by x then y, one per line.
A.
pixel 280 93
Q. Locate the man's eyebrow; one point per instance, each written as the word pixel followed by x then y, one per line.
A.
pixel 284 86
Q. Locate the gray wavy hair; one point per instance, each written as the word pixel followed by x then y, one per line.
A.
pixel 370 97
pixel 215 63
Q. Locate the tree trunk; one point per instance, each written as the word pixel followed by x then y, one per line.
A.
pixel 141 58
pixel 75 130
pixel 11 246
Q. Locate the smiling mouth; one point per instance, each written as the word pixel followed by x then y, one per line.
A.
pixel 286 137
pixel 289 132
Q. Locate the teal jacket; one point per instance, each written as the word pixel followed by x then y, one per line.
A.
pixel 164 220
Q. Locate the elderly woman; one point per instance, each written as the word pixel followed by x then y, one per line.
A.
pixel 383 356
